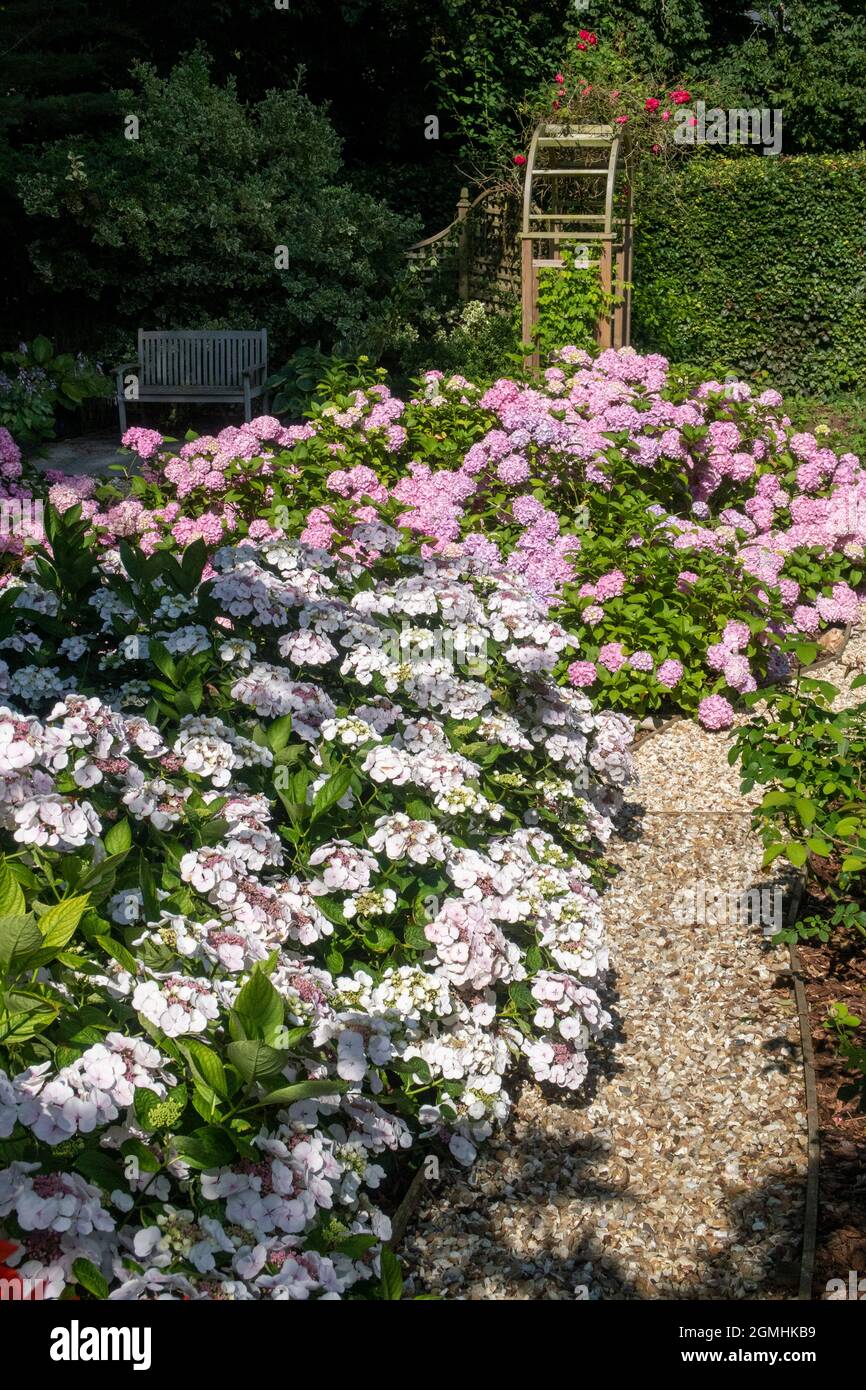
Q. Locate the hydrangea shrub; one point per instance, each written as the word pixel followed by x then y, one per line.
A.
pixel 683 531
pixel 301 861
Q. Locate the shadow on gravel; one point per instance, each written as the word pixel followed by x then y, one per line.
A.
pixel 529 1223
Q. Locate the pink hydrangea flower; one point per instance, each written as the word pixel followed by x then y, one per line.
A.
pixel 610 585
pixel 143 442
pixel 715 712
pixel 10 456
pixel 641 661
pixel 736 635
pixel 513 470
pixel 807 618
pixel 611 656
pixel 670 673
pixel 582 673
pixel 738 674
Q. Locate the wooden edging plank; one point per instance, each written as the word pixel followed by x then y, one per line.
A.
pixel 813 1169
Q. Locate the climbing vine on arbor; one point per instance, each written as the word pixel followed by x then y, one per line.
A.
pixel 572 301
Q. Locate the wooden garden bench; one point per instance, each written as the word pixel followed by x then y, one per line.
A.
pixel 209 365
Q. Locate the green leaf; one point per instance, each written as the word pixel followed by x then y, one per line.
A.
pixel 259 1007
pixel 125 959
pixel 380 939
pixel 147 1160
pixel 534 960
pixel 303 1090
pixel 391 1285
pixel 819 847
pixel 99 1167
pixel 163 661
pixel 414 937
pixel 42 350
pixel 255 1060
pixel 11 898
pixel 89 1277
pixel 770 853
pixel 58 925
pixel 100 876
pixel 207 1064
pixel 336 786
pixel 208 1147
pixel 279 732
pixel 806 810
pixel 356 1246
pixel 334 962
pixel 118 838
pixel 796 853
pixel 849 825
pixel 520 994
pixel 18 1024
pixel 19 938
pixel 806 652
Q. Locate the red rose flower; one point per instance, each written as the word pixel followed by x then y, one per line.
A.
pixel 520 159
pixel 680 96
pixel 581 45
pixel 651 104
pixel 559 78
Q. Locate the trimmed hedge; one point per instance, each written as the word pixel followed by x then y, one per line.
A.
pixel 757 265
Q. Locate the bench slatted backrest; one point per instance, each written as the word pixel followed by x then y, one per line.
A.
pixel 182 360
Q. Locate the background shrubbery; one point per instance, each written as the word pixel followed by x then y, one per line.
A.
pixel 759 263
pixel 179 227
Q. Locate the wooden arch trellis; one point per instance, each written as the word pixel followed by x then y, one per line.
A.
pixel 574 195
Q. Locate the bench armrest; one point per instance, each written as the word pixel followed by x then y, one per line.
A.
pixel 256 370
pixel 120 372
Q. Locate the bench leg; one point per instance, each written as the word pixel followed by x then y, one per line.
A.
pixel 121 404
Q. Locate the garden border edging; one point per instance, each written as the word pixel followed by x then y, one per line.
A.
pixel 813 1170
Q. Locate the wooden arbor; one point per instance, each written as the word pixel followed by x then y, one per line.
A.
pixel 571 200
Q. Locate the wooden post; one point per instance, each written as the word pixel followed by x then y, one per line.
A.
pixel 619 311
pixel 463 206
pixel 628 269
pixel 529 297
pixel 605 273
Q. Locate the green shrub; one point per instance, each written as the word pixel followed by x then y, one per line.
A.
pixel 35 384
pixel 760 263
pixel 182 226
pixel 810 758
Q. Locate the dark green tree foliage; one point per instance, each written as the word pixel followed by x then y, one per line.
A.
pixel 806 57
pixel 181 226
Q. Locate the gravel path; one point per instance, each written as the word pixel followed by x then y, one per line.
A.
pixel 681 1174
